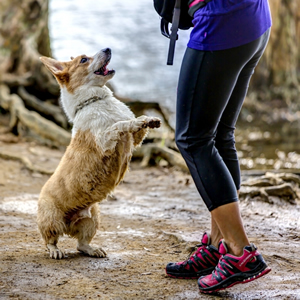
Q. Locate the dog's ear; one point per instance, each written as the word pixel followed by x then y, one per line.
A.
pixel 57 69
pixel 53 65
pixel 72 57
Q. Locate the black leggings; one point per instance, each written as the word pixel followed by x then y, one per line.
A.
pixel 211 90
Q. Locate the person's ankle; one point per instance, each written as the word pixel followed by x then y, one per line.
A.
pixel 215 240
pixel 235 249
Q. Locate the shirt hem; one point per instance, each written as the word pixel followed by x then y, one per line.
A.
pixel 215 47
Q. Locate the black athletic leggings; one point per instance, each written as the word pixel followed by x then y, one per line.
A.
pixel 211 90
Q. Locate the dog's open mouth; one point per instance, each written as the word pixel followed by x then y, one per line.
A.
pixel 103 70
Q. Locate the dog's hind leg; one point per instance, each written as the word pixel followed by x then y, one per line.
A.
pixel 51 226
pixel 85 229
pixel 54 251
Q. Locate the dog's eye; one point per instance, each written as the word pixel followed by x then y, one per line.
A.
pixel 83 60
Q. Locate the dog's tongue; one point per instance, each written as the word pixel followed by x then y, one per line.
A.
pixel 105 72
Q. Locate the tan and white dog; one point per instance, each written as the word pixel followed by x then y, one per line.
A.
pixel 105 133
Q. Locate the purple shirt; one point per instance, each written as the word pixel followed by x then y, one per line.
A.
pixel 224 24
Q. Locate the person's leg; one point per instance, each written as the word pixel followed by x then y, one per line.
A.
pixel 225 139
pixel 188 82
pixel 212 87
pixel 215 233
pixel 207 112
pixel 205 85
pixel 206 82
pixel 225 143
pixel 229 221
pixel 240 261
pixel 233 232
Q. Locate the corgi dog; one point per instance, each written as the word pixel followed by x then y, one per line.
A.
pixel 105 133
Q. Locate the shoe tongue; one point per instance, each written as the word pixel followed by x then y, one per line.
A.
pixel 205 239
pixel 251 247
pixel 213 247
pixel 223 248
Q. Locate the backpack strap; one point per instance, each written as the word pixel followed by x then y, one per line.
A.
pixel 174 30
pixel 164 28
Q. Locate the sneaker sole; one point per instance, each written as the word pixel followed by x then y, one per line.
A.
pixel 186 276
pixel 227 284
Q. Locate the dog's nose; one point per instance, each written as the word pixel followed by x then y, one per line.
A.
pixel 106 50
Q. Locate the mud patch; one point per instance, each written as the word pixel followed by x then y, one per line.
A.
pixel 156 218
pixel 24 203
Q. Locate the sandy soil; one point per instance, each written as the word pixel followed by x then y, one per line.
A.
pixel 156 217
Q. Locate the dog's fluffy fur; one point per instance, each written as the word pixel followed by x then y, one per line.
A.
pixel 105 132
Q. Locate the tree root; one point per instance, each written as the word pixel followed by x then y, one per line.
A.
pixel 44 80
pixel 26 162
pixel 152 151
pixel 45 109
pixel 32 120
pixel 272 186
pixel 12 80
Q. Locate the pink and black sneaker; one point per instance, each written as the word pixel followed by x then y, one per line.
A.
pixel 232 270
pixel 202 262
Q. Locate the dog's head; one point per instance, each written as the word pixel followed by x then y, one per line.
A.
pixel 81 71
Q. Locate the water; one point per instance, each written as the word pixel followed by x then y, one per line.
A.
pixel 132 30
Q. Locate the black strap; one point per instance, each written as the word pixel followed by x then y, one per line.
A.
pixel 174 30
pixel 86 103
pixel 164 28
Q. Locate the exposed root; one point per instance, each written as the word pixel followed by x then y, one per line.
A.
pixel 152 151
pixel 272 186
pixel 26 162
pixel 12 80
pixel 46 109
pixel 32 120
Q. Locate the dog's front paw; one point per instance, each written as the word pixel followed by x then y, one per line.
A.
pixel 153 122
pixel 147 122
pixel 138 123
pixel 94 252
pixel 54 252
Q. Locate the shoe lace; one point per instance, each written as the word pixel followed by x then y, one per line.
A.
pixel 193 250
pixel 222 267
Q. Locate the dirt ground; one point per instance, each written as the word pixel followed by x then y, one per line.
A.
pixel 155 219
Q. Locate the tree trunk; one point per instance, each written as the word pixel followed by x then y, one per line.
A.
pixel 24 37
pixel 280 65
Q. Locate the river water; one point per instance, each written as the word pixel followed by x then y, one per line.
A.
pixel 131 29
